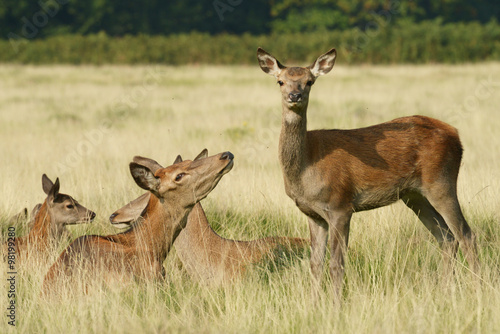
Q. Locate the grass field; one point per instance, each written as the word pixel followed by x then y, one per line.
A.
pixel 84 125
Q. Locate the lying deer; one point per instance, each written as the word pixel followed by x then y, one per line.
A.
pixel 330 174
pixel 139 253
pixel 204 254
pixel 48 226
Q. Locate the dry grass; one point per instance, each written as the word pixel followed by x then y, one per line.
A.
pixel 84 124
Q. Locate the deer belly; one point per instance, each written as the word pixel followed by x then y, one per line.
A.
pixel 375 198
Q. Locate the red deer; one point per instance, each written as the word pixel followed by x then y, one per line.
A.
pixel 48 227
pixel 204 254
pixel 330 174
pixel 139 252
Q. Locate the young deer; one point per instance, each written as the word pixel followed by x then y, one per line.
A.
pixel 48 227
pixel 206 255
pixel 330 174
pixel 140 252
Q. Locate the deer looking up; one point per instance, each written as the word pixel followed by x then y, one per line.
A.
pixel 330 174
pixel 48 227
pixel 139 252
pixel 204 254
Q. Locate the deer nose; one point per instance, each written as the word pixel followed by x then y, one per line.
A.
pixel 295 97
pixel 92 215
pixel 227 156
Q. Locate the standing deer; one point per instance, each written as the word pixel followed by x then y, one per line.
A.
pixel 139 253
pixel 330 174
pixel 48 227
pixel 204 254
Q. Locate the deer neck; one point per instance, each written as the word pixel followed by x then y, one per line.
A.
pixel 161 226
pixel 292 145
pixel 198 230
pixel 41 231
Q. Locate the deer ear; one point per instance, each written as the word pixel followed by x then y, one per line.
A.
pixel 268 63
pixel 324 63
pixel 177 160
pixel 53 192
pixel 144 177
pixel 202 155
pixel 46 184
pixel 150 163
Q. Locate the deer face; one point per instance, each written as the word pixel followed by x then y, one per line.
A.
pixel 64 209
pixel 184 183
pixel 295 82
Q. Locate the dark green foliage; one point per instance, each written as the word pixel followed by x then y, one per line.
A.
pixel 45 18
pixel 401 42
pixel 119 18
pixel 229 31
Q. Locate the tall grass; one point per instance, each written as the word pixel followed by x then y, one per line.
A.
pixel 84 124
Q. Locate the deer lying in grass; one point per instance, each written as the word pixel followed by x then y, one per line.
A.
pixel 204 254
pixel 330 174
pixel 48 226
pixel 139 253
pixel 22 217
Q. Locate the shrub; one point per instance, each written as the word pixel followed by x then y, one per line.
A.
pixel 401 42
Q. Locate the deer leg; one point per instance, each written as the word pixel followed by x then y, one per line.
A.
pixel 435 223
pixel 319 237
pixel 446 203
pixel 339 223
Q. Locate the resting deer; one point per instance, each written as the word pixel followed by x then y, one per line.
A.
pixel 139 253
pixel 204 254
pixel 48 226
pixel 21 217
pixel 330 174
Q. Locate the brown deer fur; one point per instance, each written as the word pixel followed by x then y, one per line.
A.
pixel 139 253
pixel 206 255
pixel 49 222
pixel 330 174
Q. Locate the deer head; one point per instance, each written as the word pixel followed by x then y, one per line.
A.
pixel 64 209
pixel 295 82
pixel 185 182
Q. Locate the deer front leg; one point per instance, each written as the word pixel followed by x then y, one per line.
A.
pixel 319 237
pixel 339 223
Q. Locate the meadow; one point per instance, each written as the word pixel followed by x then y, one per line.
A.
pixel 84 124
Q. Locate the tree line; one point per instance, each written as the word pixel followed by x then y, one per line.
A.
pixel 47 18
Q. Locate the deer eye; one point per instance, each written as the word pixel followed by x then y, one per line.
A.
pixel 179 177
pixel 70 206
pixel 309 83
pixel 281 83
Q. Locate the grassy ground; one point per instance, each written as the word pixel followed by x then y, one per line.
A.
pixel 84 125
